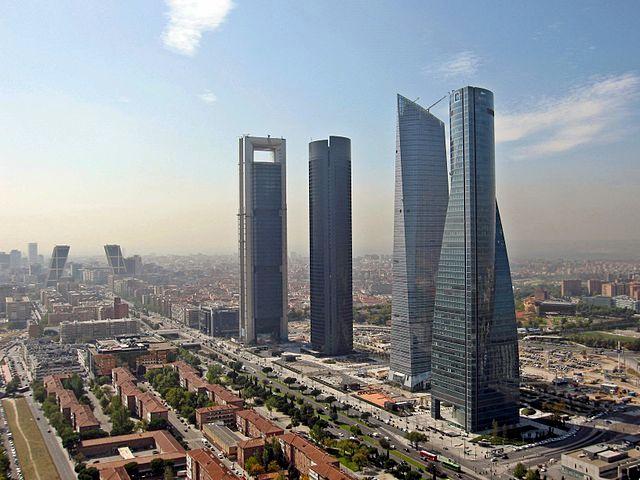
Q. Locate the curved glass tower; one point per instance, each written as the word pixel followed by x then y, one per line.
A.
pixel 421 194
pixel 475 345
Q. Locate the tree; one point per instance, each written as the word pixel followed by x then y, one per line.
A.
pixel 365 416
pixel 289 380
pixel 13 385
pixel 157 424
pixel 360 459
pixel 169 471
pixel 157 466
pixel 271 404
pixel 39 393
pixel 132 468
pixel 412 475
pixel 253 466
pixel 416 438
pixel 120 419
pixel 533 475
pixel 519 471
pixel 330 399
pixel 384 443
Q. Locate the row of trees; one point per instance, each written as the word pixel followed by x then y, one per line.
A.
pixel 167 383
pixel 521 472
pixel 189 357
pixel 5 464
pixel 605 340
pixel 62 426
pixel 271 460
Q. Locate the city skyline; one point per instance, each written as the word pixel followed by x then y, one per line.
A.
pixel 179 99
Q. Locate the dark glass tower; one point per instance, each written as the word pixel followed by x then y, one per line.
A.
pixel 263 239
pixel 115 259
pixel 475 346
pixel 421 194
pixel 58 262
pixel 330 245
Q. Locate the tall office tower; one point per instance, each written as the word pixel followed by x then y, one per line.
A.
pixel 58 261
pixel 475 345
pixel 421 195
pixel 115 259
pixel 15 259
pixel 33 253
pixel 133 265
pixel 330 245
pixel 263 239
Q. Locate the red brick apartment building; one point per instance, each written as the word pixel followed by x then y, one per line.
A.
pixel 80 416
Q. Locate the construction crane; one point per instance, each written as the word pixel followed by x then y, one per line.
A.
pixel 430 107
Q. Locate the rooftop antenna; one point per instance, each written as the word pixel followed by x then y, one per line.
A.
pixel 430 107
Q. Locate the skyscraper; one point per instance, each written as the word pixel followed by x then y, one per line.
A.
pixel 475 345
pixel 33 253
pixel 263 239
pixel 330 245
pixel 58 262
pixel 115 259
pixel 421 194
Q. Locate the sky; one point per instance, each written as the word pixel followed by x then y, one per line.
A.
pixel 119 120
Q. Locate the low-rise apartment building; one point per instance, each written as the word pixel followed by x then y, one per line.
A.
pixel 80 416
pixel 203 465
pixel 254 425
pixel 143 405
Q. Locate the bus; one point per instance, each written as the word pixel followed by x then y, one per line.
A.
pixel 450 464
pixel 428 455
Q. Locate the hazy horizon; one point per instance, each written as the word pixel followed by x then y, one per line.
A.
pixel 120 121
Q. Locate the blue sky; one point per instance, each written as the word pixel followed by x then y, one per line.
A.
pixel 120 119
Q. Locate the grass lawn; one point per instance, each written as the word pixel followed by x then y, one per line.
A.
pixel 35 461
pixel 349 464
pixel 407 459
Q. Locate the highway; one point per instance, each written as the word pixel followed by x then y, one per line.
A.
pixel 395 435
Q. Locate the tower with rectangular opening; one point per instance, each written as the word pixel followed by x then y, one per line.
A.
pixel 263 239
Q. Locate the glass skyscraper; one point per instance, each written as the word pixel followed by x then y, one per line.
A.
pixel 475 347
pixel 58 262
pixel 263 239
pixel 330 245
pixel 421 194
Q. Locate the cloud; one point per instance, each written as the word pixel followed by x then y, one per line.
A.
pixel 208 97
pixel 463 63
pixel 188 19
pixel 590 113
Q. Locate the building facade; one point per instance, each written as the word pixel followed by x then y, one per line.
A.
pixel 570 288
pixel 33 253
pixel 58 262
pixel 421 195
pixel 475 346
pixel 263 240
pixel 330 246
